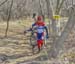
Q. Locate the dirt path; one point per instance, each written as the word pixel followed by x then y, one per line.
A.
pixel 15 49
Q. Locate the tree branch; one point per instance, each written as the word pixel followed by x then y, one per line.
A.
pixel 9 15
pixel 3 2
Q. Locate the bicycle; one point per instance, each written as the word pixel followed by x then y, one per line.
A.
pixel 33 41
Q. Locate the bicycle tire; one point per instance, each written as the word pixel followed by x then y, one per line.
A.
pixel 33 42
pixel 32 39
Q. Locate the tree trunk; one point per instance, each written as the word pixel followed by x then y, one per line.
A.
pixel 57 6
pixel 72 2
pixel 9 15
pixel 50 16
pixel 40 9
pixel 58 46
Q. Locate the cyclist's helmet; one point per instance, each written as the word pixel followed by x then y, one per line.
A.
pixel 39 18
pixel 40 21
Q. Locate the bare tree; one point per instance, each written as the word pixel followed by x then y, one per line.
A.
pixel 21 8
pixel 9 15
pixel 40 10
pixel 72 2
pixel 59 6
pixel 50 14
pixel 58 46
pixel 3 2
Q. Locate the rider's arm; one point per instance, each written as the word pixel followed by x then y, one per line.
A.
pixel 30 29
pixel 46 30
pixel 33 25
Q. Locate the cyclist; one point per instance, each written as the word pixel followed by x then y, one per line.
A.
pixel 40 27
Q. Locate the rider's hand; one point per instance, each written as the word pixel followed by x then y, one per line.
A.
pixel 25 32
pixel 47 36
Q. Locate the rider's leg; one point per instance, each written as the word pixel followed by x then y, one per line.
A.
pixel 40 43
pixel 39 40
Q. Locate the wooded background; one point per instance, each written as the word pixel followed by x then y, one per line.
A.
pixel 15 12
pixel 24 8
